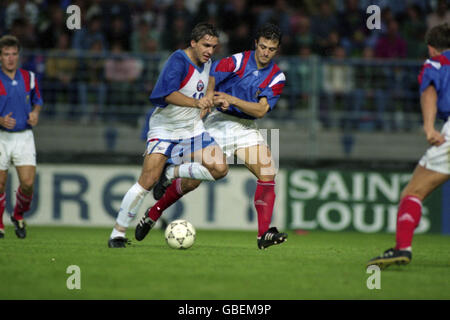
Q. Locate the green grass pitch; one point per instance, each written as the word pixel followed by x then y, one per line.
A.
pixel 220 265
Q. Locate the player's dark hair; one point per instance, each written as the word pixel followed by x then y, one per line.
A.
pixel 439 37
pixel 202 29
pixel 269 31
pixel 9 41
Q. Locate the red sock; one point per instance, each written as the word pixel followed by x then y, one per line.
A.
pixel 23 203
pixel 264 201
pixel 173 193
pixel 2 209
pixel 408 218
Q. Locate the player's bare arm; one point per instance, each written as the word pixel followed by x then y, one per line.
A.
pixel 428 101
pixel 179 99
pixel 33 116
pixel 8 121
pixel 254 109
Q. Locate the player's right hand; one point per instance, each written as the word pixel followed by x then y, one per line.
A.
pixel 7 121
pixel 205 103
pixel 435 138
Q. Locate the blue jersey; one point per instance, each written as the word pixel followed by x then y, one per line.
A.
pixel 240 77
pixel 436 72
pixel 18 96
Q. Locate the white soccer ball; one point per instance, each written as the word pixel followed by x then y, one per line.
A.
pixel 180 234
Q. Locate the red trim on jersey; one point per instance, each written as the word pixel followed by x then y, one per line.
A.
pixel 36 88
pixel 26 79
pixel 443 60
pixel 2 89
pixel 277 88
pixel 241 70
pixel 266 82
pixel 226 65
pixel 425 66
pixel 188 76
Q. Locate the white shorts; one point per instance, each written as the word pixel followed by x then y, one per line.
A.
pixel 232 133
pixel 437 158
pixel 17 148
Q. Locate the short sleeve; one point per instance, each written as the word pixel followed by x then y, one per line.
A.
pixel 273 91
pixel 170 79
pixel 429 75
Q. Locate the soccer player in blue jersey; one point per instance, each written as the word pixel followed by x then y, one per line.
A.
pixel 434 167
pixel 175 127
pixel 251 84
pixel 20 104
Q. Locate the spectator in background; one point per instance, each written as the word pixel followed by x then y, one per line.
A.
pixel 121 73
pixel 118 33
pixel 142 33
pixel 440 16
pixel 60 71
pixel 391 44
pixel 177 36
pixel 413 29
pixel 209 9
pixel 24 31
pixel 116 8
pixel 51 31
pixel 240 38
pixel 92 88
pixel 301 28
pixel 175 11
pixel 239 12
pixel 84 38
pixel 22 9
pixel 352 27
pixel 370 94
pixel 151 13
pixel 2 17
pixel 338 83
pixel 322 25
pixel 279 14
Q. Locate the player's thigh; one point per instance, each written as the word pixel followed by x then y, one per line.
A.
pixel 152 169
pixel 26 175
pixel 258 159
pixel 423 182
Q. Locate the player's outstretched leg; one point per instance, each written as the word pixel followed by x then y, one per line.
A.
pixel 271 237
pixel 391 256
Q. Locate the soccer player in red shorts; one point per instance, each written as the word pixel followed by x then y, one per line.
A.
pixel 434 167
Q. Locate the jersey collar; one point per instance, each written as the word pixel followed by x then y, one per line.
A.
pixel 199 69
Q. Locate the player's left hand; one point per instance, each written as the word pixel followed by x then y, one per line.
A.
pixel 223 99
pixel 33 118
pixel 221 103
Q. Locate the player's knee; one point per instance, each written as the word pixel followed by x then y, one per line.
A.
pixel 148 180
pixel 26 186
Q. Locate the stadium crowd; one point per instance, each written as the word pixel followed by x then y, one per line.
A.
pixel 309 26
pixel 114 59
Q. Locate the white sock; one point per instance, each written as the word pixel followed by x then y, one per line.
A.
pixel 131 204
pixel 116 234
pixel 406 249
pixel 170 172
pixel 194 170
